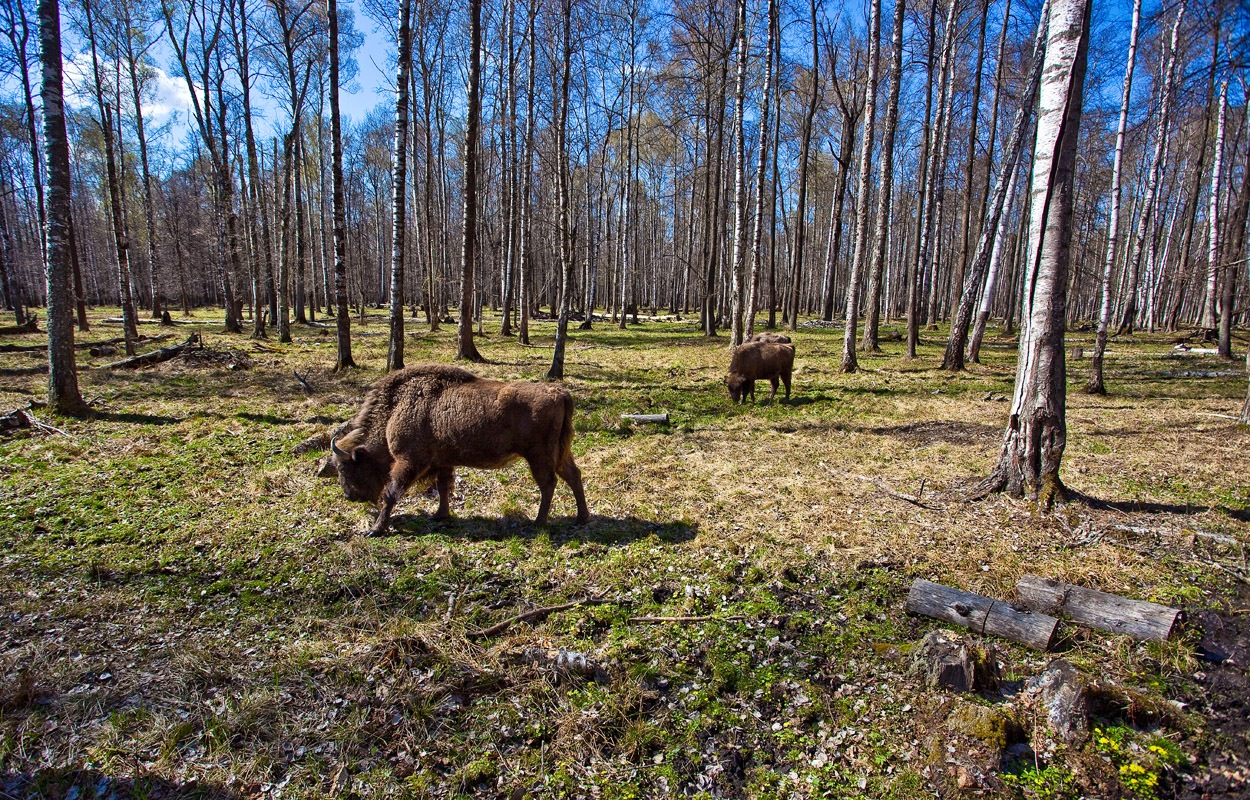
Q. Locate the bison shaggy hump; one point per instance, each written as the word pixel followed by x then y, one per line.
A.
pixel 418 424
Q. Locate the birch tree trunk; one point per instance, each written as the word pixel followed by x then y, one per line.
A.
pixel 880 237
pixel 342 315
pixel 466 349
pixel 399 193
pixel 1095 383
pixel 63 394
pixel 1036 433
pixel 565 227
pixel 1146 216
pixel 1209 314
pixel 849 363
pixel 740 190
pixel 761 172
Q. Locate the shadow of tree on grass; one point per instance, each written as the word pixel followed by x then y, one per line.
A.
pixel 91 784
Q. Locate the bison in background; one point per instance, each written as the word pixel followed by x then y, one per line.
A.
pixel 779 338
pixel 418 424
pixel 759 360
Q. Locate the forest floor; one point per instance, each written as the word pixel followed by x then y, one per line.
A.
pixel 188 610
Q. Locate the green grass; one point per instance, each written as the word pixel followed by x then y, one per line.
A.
pixel 252 638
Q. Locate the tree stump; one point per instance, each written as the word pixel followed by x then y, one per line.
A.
pixel 1060 698
pixel 948 662
pixel 1102 610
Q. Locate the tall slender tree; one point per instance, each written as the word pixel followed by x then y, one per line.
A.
pixel 761 173
pixel 849 362
pixel 117 209
pixel 881 236
pixel 399 189
pixel 63 393
pixel 565 232
pixel 466 349
pixel 805 143
pixel 740 182
pixel 1095 384
pixel 342 315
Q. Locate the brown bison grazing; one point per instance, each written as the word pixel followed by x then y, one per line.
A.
pixel 418 424
pixel 755 361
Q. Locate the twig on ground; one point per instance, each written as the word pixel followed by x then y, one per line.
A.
pixel 661 620
pixel 885 489
pixel 307 386
pixel 533 615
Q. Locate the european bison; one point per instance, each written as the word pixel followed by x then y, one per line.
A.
pixel 418 424
pixel 755 361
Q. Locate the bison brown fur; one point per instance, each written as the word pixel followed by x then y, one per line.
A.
pixel 754 361
pixel 418 424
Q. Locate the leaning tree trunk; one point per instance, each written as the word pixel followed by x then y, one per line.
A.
pixel 465 348
pixel 1036 432
pixel 872 317
pixel 1095 383
pixel 989 245
pixel 63 394
pixel 399 195
pixel 342 313
pixel 849 363
pixel 1146 217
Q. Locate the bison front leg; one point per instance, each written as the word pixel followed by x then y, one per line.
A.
pixel 773 394
pixel 402 475
pixel 446 481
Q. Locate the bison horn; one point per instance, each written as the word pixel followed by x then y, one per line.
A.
pixel 340 452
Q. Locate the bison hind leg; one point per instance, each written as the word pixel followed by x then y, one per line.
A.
pixel 573 477
pixel 446 481
pixel 545 477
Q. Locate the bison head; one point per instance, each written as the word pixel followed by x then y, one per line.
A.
pixel 362 474
pixel 737 387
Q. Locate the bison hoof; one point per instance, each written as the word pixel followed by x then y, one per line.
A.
pixel 582 519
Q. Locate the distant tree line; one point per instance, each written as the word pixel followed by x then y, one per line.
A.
pixel 751 163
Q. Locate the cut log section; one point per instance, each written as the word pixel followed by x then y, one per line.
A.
pixel 658 419
pixel 1102 610
pixel 156 356
pixel 982 614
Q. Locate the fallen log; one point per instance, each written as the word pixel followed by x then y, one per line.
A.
pixel 41 348
pixel 156 356
pixel 1102 610
pixel 659 419
pixel 982 614
pixel 29 326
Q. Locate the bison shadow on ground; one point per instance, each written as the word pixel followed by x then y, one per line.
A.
pixel 616 532
pixel 91 783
